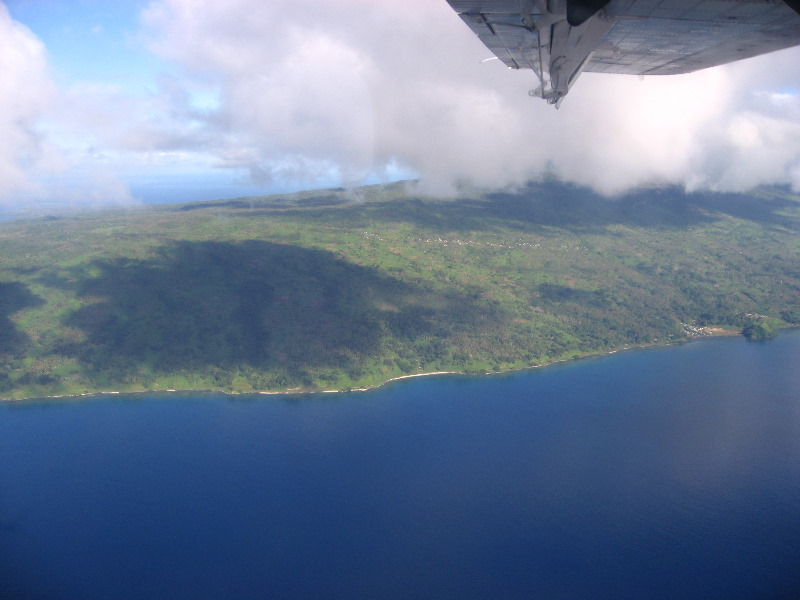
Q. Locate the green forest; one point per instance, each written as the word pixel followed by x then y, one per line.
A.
pixel 347 288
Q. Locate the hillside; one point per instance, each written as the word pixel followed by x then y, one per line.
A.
pixel 339 289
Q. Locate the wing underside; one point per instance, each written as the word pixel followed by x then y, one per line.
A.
pixel 636 37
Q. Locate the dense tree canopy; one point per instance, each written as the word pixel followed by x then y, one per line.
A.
pixel 342 289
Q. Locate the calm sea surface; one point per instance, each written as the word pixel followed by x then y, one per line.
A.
pixel 658 473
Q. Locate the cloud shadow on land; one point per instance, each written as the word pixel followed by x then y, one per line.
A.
pixel 261 306
pixel 14 296
pixel 539 206
pixel 571 207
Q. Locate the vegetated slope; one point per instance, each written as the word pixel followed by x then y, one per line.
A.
pixel 342 289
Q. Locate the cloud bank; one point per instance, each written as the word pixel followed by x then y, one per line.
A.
pixel 355 86
pixel 314 92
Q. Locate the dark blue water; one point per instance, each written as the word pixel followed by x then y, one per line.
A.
pixel 659 473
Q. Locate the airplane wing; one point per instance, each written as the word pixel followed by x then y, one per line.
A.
pixel 559 39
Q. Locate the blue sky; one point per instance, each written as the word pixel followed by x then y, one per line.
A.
pixel 90 40
pixel 176 100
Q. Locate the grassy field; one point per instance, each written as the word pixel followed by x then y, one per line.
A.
pixel 342 289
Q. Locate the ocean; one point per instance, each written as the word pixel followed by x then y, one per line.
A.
pixel 665 472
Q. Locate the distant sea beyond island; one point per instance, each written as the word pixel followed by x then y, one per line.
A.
pixel 346 289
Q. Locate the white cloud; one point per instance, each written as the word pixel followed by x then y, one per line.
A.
pixel 351 86
pixel 315 92
pixel 34 168
pixel 25 94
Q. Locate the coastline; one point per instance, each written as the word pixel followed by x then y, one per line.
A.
pixel 707 332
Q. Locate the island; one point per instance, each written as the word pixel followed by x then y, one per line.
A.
pixel 344 289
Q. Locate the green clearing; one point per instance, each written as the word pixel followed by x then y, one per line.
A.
pixel 337 289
